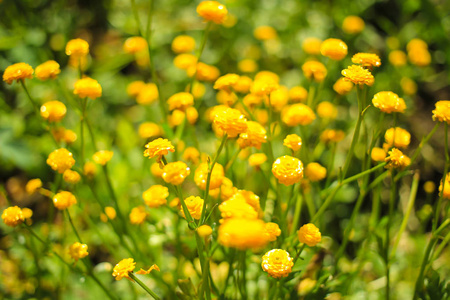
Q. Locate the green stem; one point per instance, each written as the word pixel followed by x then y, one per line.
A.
pixel 441 193
pixel 250 114
pixel 419 281
pixel 392 201
pixel 83 118
pixel 200 51
pixel 33 103
pixel 73 226
pixel 145 287
pixel 297 213
pixel 331 164
pixel 99 283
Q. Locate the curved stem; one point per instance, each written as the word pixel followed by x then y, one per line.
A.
pixel 145 287
pixel 73 226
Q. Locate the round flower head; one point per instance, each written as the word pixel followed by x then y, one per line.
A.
pixel 89 169
pixel 358 75
pixel 156 196
pixel 327 110
pixel 191 154
pixel 247 65
pixel 261 87
pixel 78 250
pixel 185 61
pixel 268 76
pixel 102 157
pixel 237 207
pixel 293 141
pixel 334 48
pixel 64 200
pixel 397 137
pixel 231 233
pixel 226 82
pixel 445 188
pixel 429 187
pixel 389 102
pixel 368 60
pixel 158 148
pixel 409 86
pixel 314 70
pixel 278 98
pixel 149 129
pixel 175 172
pixel 123 268
pixel 212 11
pixel 53 111
pixel 13 216
pixel 77 48
pixel 277 263
pixel 17 72
pixel 264 33
pixel 201 174
pixel 378 154
pixel 397 160
pixel 311 45
pixel 148 94
pixel 204 231
pixel 71 176
pixel 353 25
pixel 183 44
pixel 342 86
pixel 180 101
pixel 203 72
pixel 442 111
pixel 231 121
pixel 273 231
pixel 420 57
pixel 254 136
pixel 60 160
pixel 194 206
pixel 62 134
pixel 88 87
pixel 243 85
pixel 397 58
pixel 315 172
pixel 257 159
pixel 309 234
pixel 134 44
pixel 134 88
pixel 331 135
pixel 288 170
pixel 297 114
pixel 48 70
pixel 33 186
pixel 138 215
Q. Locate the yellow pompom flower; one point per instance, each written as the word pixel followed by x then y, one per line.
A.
pixel 298 94
pixel 134 44
pixel 88 87
pixel 429 187
pixel 226 82
pixel 27 214
pixel 334 48
pixel 62 134
pixel 273 231
pixel 175 172
pixel 247 65
pixel 409 86
pixel 397 58
pixel 231 121
pixel 110 212
pixel 48 70
pixel 194 205
pixel 71 176
pixel 156 196
pixel 134 88
pixel 124 268
pixel 64 199
pixel 378 154
pixel 261 87
pixel 293 141
pixel 327 110
pixel 389 102
pixel 149 129
pixel 315 172
pixel 419 57
pixel 288 170
pixel 397 137
pixel 254 136
pixel 201 174
pixel 278 98
pixel 13 216
pixel 314 70
pixel 180 101
pixel 89 169
pixel 309 234
pixel 231 233
pixel 185 61
pixel 53 111
pixel 102 157
pixel 204 231
pixel 17 72
pixel 60 160
pixel 243 84
pixel 446 187
pixel 311 45
pixel 368 60
pixel 342 86
pixel 264 33
pixel 237 207
pixel 277 263
pixel 358 75
pixel 203 72
pixel 353 25
pixel 397 160
pixel 183 44
pixel 191 115
pixel 78 250
pixel 249 197
pixel 212 11
pixel 33 186
pixel 332 135
pixel 77 48
pixel 158 148
pixel 442 111
pixel 148 94
pixel 297 114
pixel 257 159
pixel 138 215
pixel 191 154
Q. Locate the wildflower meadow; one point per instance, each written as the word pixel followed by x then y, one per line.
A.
pixel 224 150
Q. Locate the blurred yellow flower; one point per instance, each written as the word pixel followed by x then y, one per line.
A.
pixel 185 61
pixel 226 98
pixel 327 110
pixel 78 250
pixel 273 231
pixel 148 94
pixel 429 187
pixel 33 186
pixel 201 174
pixel 378 154
pixel 191 154
pixel 253 237
pixel 134 44
pixel 293 141
pixel 277 263
pixel 60 160
pixel 203 72
pixel 138 215
pixel 231 121
pixel 298 94
pixel 243 84
pixel 17 72
pixel 194 205
pixel 212 11
pixel 332 135
pixel 180 101
pixel 87 87
pixel 102 157
pixel 254 136
pixel 89 169
pixel 288 170
pixel 110 212
pixel 445 188
pixel 183 44
pixel 297 114
pixel 175 172
pixel 77 48
pixel 53 111
pixel 149 129
pixel 264 33
pixel 204 231
pixel 134 88
pixel 389 102
pixel 123 268
pixel 309 234
pixel 397 58
pixel 358 75
pixel 226 82
pixel 353 25
pixel 247 65
pixel 442 111
pixel 63 200
pixel 278 98
pixel 368 60
pixel 71 176
pixel 334 48
pixel 158 148
pixel 342 86
pixel 314 70
pixel 13 216
pixel 237 207
pixel 257 159
pixel 409 86
pixel 315 172
pixel 397 137
pixel 47 70
pixel 311 45
pixel 261 87
pixel 397 160
pixel 156 196
pixel 418 52
pixel 156 170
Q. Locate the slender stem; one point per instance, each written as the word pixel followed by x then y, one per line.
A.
pixel 99 283
pixel 419 281
pixel 392 201
pixel 250 114
pixel 331 164
pixel 441 247
pixel 302 247
pixel 444 177
pixel 200 51
pixel 204 265
pixel 297 213
pixel 136 16
pixel 145 287
pixel 73 226
pixel 33 103
pixel 83 118
pixel 311 94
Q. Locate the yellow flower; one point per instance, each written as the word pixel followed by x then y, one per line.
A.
pixel 183 44
pixel 201 174
pixel 102 157
pixel 358 75
pixel 397 137
pixel 264 33
pixel 231 121
pixel 198 90
pixel 368 60
pixel 311 45
pixel 17 72
pixel 353 25
pixel 158 148
pixel 247 65
pixel 62 134
pixel 204 231
pixel 331 135
pixel 416 44
pixel 409 86
pixel 231 233
pixel 60 160
pixel 273 231
pixel 442 111
pixel 226 82
pixel 110 212
pixel 257 159
pixel 278 98
pixel 156 196
pixel 254 136
pixel 194 206
pixel 134 44
pixel 446 191
pixel 149 129
pixel 33 186
pixel 297 114
pixel 72 177
pixel 77 48
pixel 53 111
pixel 277 263
pixel 389 102
pixel 429 187
pixel 13 216
pixel 333 48
pixel 378 154
pixel 180 101
pixel 123 268
pixel 134 88
pixel 87 87
pixel 175 172
pixel 298 94
pixel 418 53
pixel 148 94
pixel 176 118
pixel 145 272
pixel 48 70
pixel 293 141
pixel 326 110
pixel 212 11
pixel 397 160
pixel 184 61
pixel 191 154
pixel 203 72
pixel 288 170
pixel 226 190
pixel 64 200
pixel 237 207
pixel 342 86
pixel 27 213
pixel 138 215
pixel 89 169
pixel 261 87
pixel 397 58
pixel 315 172
pixel 309 234
pixel 314 70
pixel 78 250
